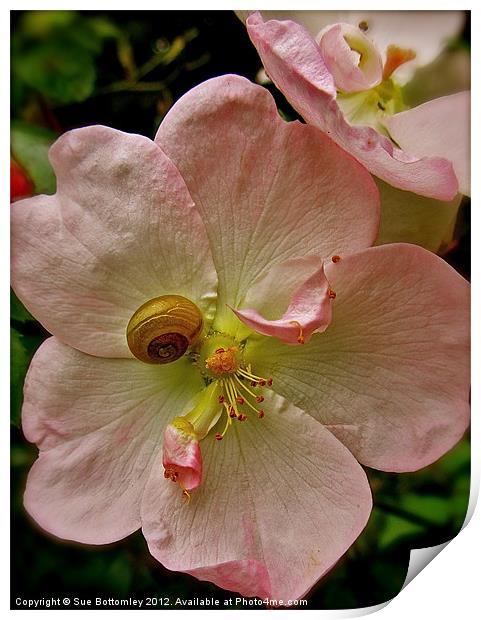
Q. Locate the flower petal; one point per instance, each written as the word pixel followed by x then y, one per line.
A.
pixel 426 32
pixel 390 376
pixel 266 189
pixel 281 501
pixel 294 62
pixel 410 218
pixel 351 58
pixel 438 128
pixel 121 230
pixel 309 310
pixel 98 424
pixel 181 455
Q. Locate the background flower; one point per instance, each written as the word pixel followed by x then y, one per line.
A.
pixel 305 71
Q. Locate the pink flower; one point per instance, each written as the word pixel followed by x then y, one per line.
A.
pixel 182 459
pixel 350 82
pixel 229 208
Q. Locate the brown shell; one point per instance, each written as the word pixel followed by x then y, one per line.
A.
pixel 163 328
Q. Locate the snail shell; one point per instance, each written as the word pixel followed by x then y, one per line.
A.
pixel 163 328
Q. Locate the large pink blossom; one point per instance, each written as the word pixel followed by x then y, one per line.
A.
pixel 343 59
pixel 357 354
pixel 349 80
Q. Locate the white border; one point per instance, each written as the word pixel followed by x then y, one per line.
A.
pixel 449 586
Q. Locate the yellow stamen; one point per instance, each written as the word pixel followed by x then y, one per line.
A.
pixel 300 337
pixel 231 394
pixel 244 387
pixel 171 474
pixel 248 374
pixel 220 436
pixel 223 361
pixel 185 493
pixel 257 397
pixel 222 358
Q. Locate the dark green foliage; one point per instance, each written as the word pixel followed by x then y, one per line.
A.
pixel 29 145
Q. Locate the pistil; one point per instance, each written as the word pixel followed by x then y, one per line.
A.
pixel 236 380
pixel 232 387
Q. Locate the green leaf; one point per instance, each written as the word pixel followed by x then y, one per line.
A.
pixel 19 362
pixel 397 528
pixel 59 69
pixel 104 28
pixel 22 349
pixel 457 460
pixel 436 509
pixel 22 456
pixel 460 501
pixel 18 312
pixel 68 26
pixel 30 145
pixel 41 24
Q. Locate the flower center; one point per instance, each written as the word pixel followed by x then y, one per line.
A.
pixel 369 107
pixel 232 389
pixel 221 359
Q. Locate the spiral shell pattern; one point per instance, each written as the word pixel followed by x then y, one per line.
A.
pixel 163 328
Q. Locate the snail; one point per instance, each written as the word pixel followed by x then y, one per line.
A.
pixel 163 328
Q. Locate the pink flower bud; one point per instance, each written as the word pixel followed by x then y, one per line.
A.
pixel 182 458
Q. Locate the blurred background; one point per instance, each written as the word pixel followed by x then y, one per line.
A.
pixel 125 69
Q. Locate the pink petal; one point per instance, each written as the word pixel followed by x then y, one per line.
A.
pixel 98 424
pixel 266 189
pixel 390 376
pixel 120 230
pixel 181 453
pixel 281 501
pixel 439 128
pixel 427 32
pixel 352 72
pixel 410 218
pixel 309 310
pixel 293 61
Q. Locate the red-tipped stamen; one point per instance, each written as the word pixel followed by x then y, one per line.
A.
pixel 247 374
pixel 258 398
pixel 300 337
